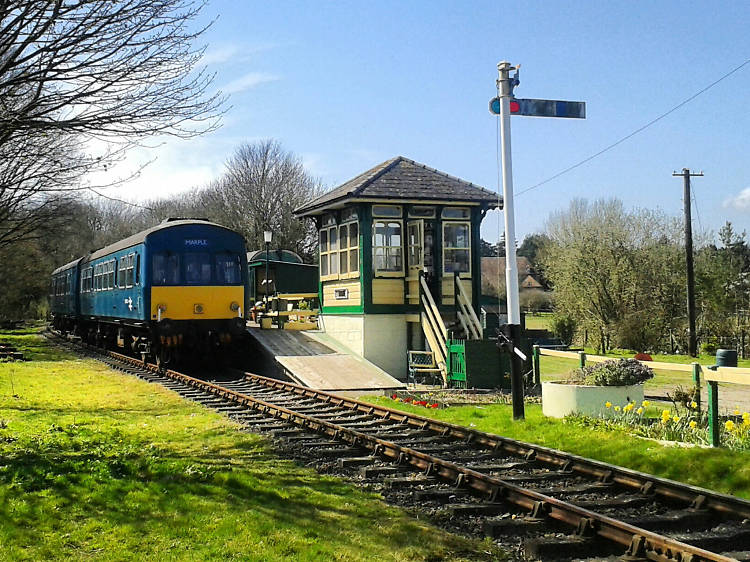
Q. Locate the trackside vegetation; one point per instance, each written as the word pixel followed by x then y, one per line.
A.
pixel 717 469
pixel 96 464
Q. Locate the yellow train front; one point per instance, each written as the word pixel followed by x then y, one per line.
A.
pixel 195 289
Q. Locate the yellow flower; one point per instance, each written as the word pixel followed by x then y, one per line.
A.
pixel 629 407
pixel 666 414
pixel 645 403
pixel 745 416
pixel 693 424
pixel 608 404
pixel 617 408
pixel 736 412
pixel 729 425
pixel 676 419
pixel 745 421
pixel 694 404
pixel 639 411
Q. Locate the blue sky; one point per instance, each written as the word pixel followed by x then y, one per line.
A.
pixel 346 85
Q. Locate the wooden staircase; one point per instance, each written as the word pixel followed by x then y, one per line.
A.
pixel 437 333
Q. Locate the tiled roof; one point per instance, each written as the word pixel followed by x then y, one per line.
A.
pixel 401 178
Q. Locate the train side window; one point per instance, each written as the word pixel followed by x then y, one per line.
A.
pixel 166 269
pixel 198 269
pixel 228 270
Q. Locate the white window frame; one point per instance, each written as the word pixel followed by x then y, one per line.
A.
pixel 446 224
pixel 382 273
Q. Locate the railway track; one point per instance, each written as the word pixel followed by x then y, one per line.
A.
pixel 545 503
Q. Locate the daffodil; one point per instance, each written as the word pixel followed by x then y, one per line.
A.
pixel 617 408
pixel 745 416
pixel 694 404
pixel 729 424
pixel 736 412
pixel 693 424
pixel 675 419
pixel 608 404
pixel 639 411
pixel 645 403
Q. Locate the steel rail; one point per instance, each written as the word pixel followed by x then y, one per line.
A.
pixel 638 542
pixel 646 483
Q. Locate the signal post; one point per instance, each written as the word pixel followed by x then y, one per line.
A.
pixel 505 105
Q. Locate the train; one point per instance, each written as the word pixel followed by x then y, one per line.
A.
pixel 173 289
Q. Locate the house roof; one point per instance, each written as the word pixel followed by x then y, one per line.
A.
pixel 401 178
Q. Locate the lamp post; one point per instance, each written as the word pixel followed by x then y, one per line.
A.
pixel 267 236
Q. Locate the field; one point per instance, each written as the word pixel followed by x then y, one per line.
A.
pixel 100 465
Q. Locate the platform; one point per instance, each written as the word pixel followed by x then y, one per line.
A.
pixel 304 359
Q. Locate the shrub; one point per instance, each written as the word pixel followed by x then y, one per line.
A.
pixel 564 327
pixel 620 372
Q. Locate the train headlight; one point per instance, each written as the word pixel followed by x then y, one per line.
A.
pixel 161 307
pixel 198 309
pixel 234 307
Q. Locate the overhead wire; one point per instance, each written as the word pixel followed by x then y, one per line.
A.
pixel 638 130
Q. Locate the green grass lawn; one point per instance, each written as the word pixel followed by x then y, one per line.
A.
pixel 556 368
pixel 717 469
pixel 97 464
pixel 538 321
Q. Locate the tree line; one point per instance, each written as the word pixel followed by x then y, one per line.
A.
pixel 619 279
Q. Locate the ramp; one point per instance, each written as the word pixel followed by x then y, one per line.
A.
pixel 304 359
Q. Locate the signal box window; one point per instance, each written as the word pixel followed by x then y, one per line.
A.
pixel 386 248
pixel 456 247
pixel 228 269
pixel 166 269
pixel 197 269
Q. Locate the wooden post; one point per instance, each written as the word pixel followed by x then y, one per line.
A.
pixel 581 359
pixel 537 372
pixel 713 413
pixel 697 384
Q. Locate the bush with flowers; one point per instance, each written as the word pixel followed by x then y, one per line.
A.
pixel 615 372
pixel 684 423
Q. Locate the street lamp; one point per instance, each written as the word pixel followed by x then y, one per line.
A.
pixel 267 236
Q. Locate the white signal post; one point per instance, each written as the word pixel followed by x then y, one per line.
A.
pixel 505 85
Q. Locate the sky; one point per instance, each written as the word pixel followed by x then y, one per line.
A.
pixel 347 85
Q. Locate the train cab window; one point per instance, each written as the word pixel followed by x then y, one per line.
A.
pixel 166 269
pixel 228 270
pixel 198 269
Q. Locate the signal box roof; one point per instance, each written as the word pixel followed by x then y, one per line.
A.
pixel 402 179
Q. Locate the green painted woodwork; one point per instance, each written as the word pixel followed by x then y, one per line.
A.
pixel 713 413
pixel 535 355
pixel 477 364
pixel 334 310
pixel 697 384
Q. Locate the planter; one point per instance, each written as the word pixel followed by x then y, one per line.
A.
pixel 560 399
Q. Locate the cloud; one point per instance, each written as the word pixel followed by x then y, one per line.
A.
pixel 220 54
pixel 248 81
pixel 234 52
pixel 739 202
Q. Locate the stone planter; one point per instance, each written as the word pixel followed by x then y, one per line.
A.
pixel 560 399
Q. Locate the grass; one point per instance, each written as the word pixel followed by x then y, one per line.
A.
pixel 97 464
pixel 538 320
pixel 556 368
pixel 717 469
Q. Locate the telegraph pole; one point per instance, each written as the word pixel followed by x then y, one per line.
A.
pixel 686 175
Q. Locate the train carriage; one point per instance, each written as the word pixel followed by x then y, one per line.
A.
pixel 177 286
pixel 64 297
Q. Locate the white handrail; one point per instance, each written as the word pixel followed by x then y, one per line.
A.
pixel 434 309
pixel 474 321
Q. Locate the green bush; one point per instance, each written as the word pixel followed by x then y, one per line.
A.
pixel 564 327
pixel 620 372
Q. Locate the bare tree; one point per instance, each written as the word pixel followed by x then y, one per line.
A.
pixel 260 189
pixel 72 71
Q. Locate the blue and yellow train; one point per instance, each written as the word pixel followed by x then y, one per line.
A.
pixel 178 286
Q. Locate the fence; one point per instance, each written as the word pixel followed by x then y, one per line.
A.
pixel 713 376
